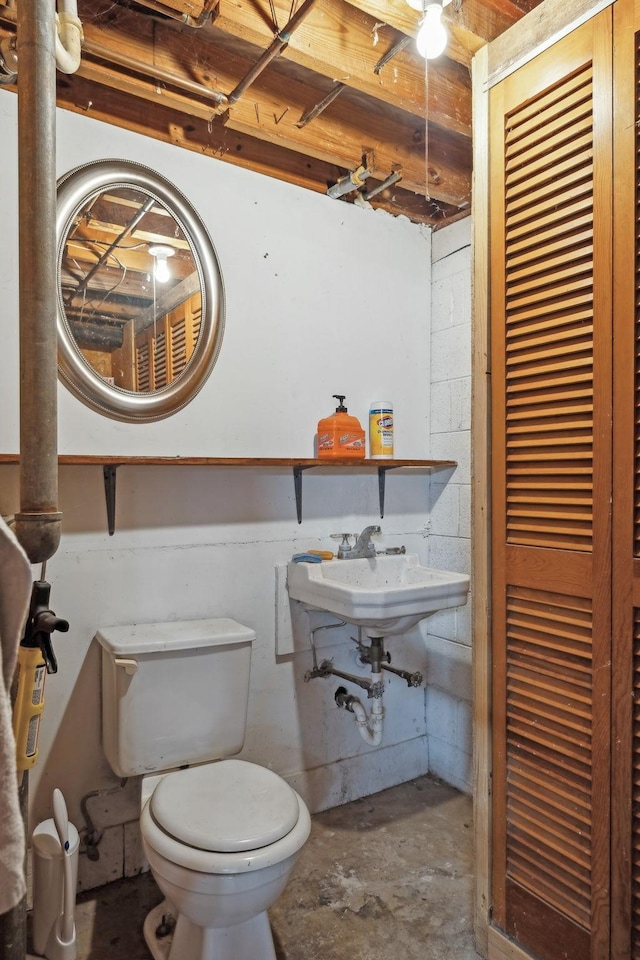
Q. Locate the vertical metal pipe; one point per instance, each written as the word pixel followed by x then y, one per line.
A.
pixel 38 522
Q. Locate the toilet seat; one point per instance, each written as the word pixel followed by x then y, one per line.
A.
pixel 225 807
pixel 206 861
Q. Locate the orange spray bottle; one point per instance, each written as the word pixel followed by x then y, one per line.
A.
pixel 340 436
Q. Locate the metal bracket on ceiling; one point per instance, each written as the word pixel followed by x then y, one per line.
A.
pixel 394 177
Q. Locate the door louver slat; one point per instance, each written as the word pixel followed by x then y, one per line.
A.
pixel 179 346
pixel 549 325
pixel 549 725
pixel 143 371
pixel 160 361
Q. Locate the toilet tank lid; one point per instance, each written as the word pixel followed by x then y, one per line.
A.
pixel 173 635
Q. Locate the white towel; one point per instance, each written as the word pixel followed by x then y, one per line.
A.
pixel 15 592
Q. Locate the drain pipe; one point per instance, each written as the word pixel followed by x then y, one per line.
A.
pixel 371 728
pixel 37 525
pixel 69 36
pixel 38 522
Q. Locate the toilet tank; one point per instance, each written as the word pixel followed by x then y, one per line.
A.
pixel 173 693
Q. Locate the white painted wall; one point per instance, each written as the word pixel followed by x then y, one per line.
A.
pixel 449 727
pixel 322 297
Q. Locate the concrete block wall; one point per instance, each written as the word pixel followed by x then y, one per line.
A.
pixel 448 675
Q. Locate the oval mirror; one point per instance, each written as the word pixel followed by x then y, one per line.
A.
pixel 140 292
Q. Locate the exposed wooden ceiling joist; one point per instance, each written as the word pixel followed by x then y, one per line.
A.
pixel 348 82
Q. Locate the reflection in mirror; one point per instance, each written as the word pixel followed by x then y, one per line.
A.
pixel 131 290
pixel 140 294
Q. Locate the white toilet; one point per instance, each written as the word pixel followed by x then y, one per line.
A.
pixel 221 838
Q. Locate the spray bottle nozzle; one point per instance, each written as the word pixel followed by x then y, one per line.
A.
pixel 41 623
pixel 341 407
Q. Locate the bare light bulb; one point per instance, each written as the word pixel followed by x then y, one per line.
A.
pixel 432 36
pixel 161 253
pixel 419 4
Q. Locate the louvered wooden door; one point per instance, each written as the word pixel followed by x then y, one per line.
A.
pixel 163 349
pixel 551 316
pixel 626 539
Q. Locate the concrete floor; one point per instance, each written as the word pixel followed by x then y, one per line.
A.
pixel 388 877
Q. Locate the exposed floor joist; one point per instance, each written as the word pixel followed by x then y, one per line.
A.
pixel 348 84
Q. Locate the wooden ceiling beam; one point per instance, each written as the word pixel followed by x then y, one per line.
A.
pixel 166 68
pixel 344 139
pixel 400 83
pixel 216 140
pixel 195 55
pixel 273 106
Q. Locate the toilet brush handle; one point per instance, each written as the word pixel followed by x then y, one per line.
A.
pixel 61 820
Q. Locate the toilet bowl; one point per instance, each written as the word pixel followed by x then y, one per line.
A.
pixel 220 897
pixel 221 835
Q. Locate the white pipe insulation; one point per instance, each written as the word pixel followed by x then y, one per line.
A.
pixel 69 36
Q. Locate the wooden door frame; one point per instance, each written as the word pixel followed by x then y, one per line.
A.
pixel 537 31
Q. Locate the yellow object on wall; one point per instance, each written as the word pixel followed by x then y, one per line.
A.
pixel 29 684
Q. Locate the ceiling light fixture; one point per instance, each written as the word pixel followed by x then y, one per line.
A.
pixel 161 253
pixel 431 39
pixel 419 5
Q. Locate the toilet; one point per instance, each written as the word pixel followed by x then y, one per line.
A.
pixel 221 835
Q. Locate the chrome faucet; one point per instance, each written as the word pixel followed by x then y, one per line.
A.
pixel 362 547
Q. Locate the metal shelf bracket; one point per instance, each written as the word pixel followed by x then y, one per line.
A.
pixel 109 474
pixel 297 484
pixel 382 474
pixel 297 487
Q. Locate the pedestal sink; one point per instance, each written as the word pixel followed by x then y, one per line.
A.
pixel 384 594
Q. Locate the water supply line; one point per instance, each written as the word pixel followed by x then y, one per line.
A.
pixel 90 834
pixel 312 638
pixel 111 55
pixel 274 49
pixel 350 182
pixel 71 37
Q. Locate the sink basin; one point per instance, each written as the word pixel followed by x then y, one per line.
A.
pixel 385 594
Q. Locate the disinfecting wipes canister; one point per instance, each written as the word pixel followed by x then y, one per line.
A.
pixel 381 430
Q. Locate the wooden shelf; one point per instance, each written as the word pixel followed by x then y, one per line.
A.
pixel 83 459
pixel 110 464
